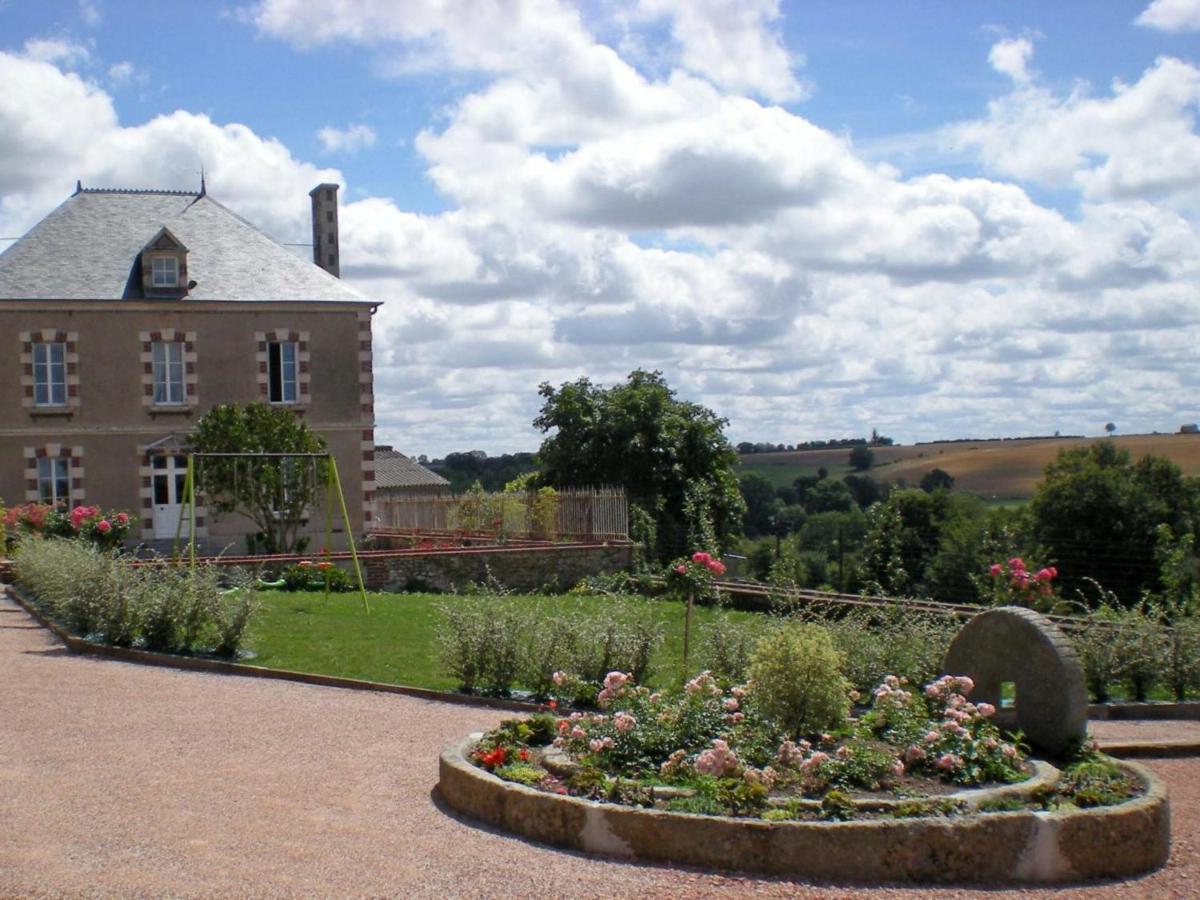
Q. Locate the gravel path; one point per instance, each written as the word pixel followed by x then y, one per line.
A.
pixel 126 780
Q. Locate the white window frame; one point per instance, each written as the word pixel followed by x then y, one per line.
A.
pixel 170 388
pixel 54 480
pixel 49 373
pixel 164 272
pixel 283 372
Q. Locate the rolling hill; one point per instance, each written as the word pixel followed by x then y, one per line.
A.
pixel 995 470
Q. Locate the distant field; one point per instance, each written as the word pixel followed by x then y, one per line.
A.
pixel 999 470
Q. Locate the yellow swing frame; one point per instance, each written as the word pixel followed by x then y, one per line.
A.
pixel 333 484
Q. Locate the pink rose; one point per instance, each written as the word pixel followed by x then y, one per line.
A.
pixel 897 768
pixel 700 557
pixel 681 569
pixel 995 569
pixel 123 518
pixel 986 709
pixel 104 526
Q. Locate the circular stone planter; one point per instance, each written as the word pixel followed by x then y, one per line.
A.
pixel 993 848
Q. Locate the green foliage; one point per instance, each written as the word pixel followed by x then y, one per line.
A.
pixel 727 644
pixel 891 641
pixel 490 643
pixel 861 458
pixel 273 492
pixel 1095 781
pixel 937 480
pixel 797 681
pixel 102 596
pixel 639 435
pixel 1097 513
pixel 761 504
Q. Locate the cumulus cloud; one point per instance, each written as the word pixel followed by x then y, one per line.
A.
pixel 733 44
pixel 1139 141
pixel 1011 57
pixel 1171 15
pixel 604 216
pixel 348 140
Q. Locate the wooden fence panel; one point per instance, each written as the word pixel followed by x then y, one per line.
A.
pixel 571 514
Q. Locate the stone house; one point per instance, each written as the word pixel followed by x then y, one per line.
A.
pixel 126 314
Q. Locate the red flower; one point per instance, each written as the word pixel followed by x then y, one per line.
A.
pixel 122 518
pixel 492 759
pixel 523 755
pixel 553 704
pixel 104 526
pixel 324 565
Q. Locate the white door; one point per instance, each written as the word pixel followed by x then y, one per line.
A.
pixel 170 476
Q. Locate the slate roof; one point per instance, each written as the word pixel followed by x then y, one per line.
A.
pixel 395 470
pixel 88 249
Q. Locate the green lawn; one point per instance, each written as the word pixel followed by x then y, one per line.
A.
pixel 397 641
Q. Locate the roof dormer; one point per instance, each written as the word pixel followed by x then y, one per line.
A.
pixel 164 266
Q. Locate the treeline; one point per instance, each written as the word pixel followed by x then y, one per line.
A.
pixel 462 470
pixel 747 448
pixel 1103 521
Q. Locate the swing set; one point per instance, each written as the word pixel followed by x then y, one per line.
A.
pixel 333 485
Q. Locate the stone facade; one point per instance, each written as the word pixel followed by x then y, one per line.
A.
pixel 133 372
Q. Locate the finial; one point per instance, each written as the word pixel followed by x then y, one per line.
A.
pixel 79 185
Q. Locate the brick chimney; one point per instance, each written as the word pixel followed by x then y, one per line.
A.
pixel 326 253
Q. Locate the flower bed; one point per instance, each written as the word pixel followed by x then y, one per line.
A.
pixel 753 777
pixel 720 751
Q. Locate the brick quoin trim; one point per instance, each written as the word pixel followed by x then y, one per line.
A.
pixel 74 457
pixel 191 379
pixel 366 398
pixel 71 361
pixel 303 363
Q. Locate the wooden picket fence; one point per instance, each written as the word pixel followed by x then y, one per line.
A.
pixel 568 514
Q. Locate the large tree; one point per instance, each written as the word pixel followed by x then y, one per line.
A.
pixel 1096 514
pixel 274 492
pixel 670 455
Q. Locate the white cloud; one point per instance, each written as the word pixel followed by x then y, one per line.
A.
pixel 1138 142
pixel 1171 15
pixel 1011 57
pixel 603 217
pixel 348 140
pixel 732 44
pixel 56 51
pixel 89 11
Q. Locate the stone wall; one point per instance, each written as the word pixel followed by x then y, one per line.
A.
pixel 518 568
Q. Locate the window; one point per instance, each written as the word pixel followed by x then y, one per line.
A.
pixel 54 480
pixel 164 271
pixel 168 372
pixel 281 372
pixel 50 374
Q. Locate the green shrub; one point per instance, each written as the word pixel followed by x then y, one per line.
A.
pixel 1181 669
pixel 796 678
pixel 480 642
pixel 726 645
pixel 622 638
pixel 103 596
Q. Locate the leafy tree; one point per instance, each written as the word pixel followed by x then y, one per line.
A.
pixel 1096 513
pixel 663 450
pixel 273 492
pixel 937 480
pixel 861 458
pixel 865 490
pixel 827 496
pixel 761 504
pixel 1110 427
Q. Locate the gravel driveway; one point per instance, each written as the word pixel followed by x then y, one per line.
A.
pixel 125 780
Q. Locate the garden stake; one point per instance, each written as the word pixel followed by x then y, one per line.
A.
pixel 362 589
pixel 687 633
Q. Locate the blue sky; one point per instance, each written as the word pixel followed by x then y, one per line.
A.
pixel 936 219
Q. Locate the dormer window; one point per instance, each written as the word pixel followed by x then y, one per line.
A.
pixel 164 266
pixel 164 272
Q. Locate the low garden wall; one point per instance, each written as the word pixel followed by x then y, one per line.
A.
pixel 993 848
pixel 519 568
